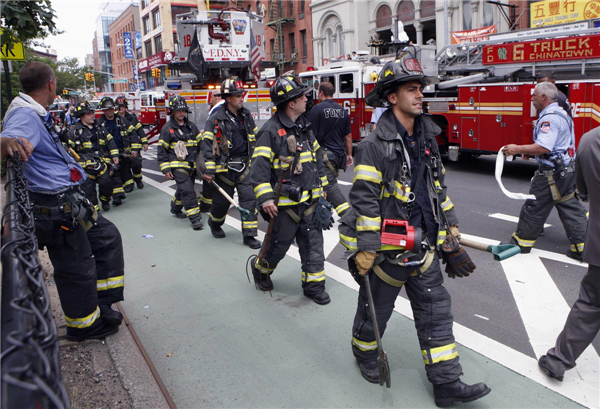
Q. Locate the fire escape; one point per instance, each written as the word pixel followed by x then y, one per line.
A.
pixel 277 22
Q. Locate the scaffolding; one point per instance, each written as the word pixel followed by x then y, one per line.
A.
pixel 277 22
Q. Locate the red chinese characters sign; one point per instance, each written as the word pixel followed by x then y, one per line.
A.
pixel 156 60
pixel 569 48
pixel 472 36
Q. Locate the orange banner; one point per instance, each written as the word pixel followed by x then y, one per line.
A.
pixel 472 36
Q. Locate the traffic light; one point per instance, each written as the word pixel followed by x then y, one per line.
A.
pixel 65 92
pixel 156 72
pixel 89 76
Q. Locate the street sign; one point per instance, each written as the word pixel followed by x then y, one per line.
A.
pixel 16 53
pixel 142 85
pixel 117 81
pixel 127 45
pixel 138 40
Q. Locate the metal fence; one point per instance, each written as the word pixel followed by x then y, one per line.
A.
pixel 30 357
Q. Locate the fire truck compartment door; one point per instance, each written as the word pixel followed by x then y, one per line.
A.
pixel 469 132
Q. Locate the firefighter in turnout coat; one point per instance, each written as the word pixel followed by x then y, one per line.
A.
pixel 304 180
pixel 399 177
pixel 96 151
pixel 227 144
pixel 136 163
pixel 177 152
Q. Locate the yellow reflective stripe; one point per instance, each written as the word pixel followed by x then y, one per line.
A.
pixel 216 219
pixel 118 190
pixel 262 189
pixel 349 242
pixel 324 180
pixel 522 242
pixel 102 142
pixel 313 277
pixel 401 192
pixel 87 145
pixel 114 152
pixel 208 135
pixel 438 186
pixel 137 175
pixel 163 144
pixel 110 283
pixel 177 202
pixel 130 129
pixel 443 170
pixel 205 200
pixel 210 165
pixel 364 223
pixel 364 345
pixel 341 208
pixel 368 173
pixel 136 146
pixel 251 137
pixel 144 140
pixel 577 248
pixel 164 165
pixel 255 130
pixel 306 157
pixel 193 211
pixel 318 192
pixel 441 237
pixel 72 143
pixel 109 137
pixel 199 137
pixel 447 204
pixel 250 225
pixel 129 182
pixel 264 151
pixel 138 126
pixel 440 354
pixel 179 164
pixel 83 322
pixel 316 145
pixel 263 270
pixel 286 201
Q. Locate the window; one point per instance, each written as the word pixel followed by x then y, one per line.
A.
pixel 291 7
pixel 292 43
pixel 301 6
pixel 145 3
pixel 146 24
pixel 329 79
pixel 156 17
pixel 139 53
pixel 340 39
pixel 148 47
pixel 330 44
pixel 158 44
pixel 258 7
pixel 273 56
pixel 304 44
pixel 175 10
pixel 346 83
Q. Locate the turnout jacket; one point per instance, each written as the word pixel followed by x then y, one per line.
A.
pixel 220 124
pixel 378 191
pixel 271 144
pixel 172 133
pixel 89 145
pixel 137 127
pixel 131 140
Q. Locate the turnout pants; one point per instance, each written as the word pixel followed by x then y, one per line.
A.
pixel 185 195
pixel 82 263
pixel 552 191
pixel 333 164
pixel 310 245
pixel 583 324
pixel 206 196
pixel 229 181
pixel 431 306
pixel 100 177
pixel 131 170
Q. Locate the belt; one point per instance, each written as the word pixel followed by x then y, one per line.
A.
pixel 63 208
pixel 53 199
pixel 570 168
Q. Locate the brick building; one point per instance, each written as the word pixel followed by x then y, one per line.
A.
pixel 122 67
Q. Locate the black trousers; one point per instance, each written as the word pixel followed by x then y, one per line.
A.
pixel 334 195
pixel 206 196
pixel 431 306
pixel 246 197
pixel 83 263
pixel 583 324
pixel 185 195
pixel 102 179
pixel 131 169
pixel 534 213
pixel 310 245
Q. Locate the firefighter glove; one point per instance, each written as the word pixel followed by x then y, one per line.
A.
pixel 459 264
pixel 364 261
pixel 323 218
pixel 454 231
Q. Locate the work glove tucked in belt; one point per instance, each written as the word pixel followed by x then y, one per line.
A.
pixel 364 261
pixel 323 218
pixel 459 263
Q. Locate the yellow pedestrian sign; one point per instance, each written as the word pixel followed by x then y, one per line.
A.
pixel 16 53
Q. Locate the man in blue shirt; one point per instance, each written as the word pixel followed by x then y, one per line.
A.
pixel 86 253
pixel 554 182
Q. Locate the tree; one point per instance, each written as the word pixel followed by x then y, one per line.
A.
pixel 26 21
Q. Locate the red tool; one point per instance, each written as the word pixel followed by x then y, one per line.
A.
pixel 399 233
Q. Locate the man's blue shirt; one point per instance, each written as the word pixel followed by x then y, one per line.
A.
pixel 554 131
pixel 48 170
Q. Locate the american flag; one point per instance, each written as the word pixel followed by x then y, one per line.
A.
pixel 256 56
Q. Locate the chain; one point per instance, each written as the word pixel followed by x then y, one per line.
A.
pixel 30 355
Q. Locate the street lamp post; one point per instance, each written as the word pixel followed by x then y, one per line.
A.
pixel 135 61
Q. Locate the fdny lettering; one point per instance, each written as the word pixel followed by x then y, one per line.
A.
pixel 224 53
pixel 281 132
pixel 545 127
pixel 333 113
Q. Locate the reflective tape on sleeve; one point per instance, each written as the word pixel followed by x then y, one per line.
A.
pixel 364 223
pixel 368 173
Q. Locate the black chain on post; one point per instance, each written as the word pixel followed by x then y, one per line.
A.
pixel 30 355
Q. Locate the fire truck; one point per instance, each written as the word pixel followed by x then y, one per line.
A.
pixel 484 99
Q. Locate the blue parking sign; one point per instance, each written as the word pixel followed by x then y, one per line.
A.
pixel 138 40
pixel 128 45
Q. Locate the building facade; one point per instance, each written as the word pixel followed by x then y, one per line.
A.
pixel 123 68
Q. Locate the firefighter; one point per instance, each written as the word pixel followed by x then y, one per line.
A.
pixel 177 152
pixel 208 189
pixel 331 124
pixel 304 180
pixel 96 151
pixel 554 182
pixel 108 121
pixel 227 144
pixel 399 178
pixel 136 163
pixel 127 141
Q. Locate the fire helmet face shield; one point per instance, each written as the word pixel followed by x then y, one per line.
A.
pixel 231 86
pixel 107 103
pixel 404 69
pixel 287 87
pixel 121 101
pixel 177 103
pixel 82 109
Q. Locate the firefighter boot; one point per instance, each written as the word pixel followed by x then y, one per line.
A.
pixel 110 316
pixel 446 394
pixel 575 255
pixel 262 281
pixel 105 206
pixel 179 214
pixel 321 298
pixel 196 223
pixel 139 183
pixel 369 369
pixel 216 231
pixel 101 332
pixel 252 242
pixel 117 201
pixel 524 250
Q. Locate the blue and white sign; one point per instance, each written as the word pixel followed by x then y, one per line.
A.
pixel 132 87
pixel 142 85
pixel 128 45
pixel 138 40
pixel 135 78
